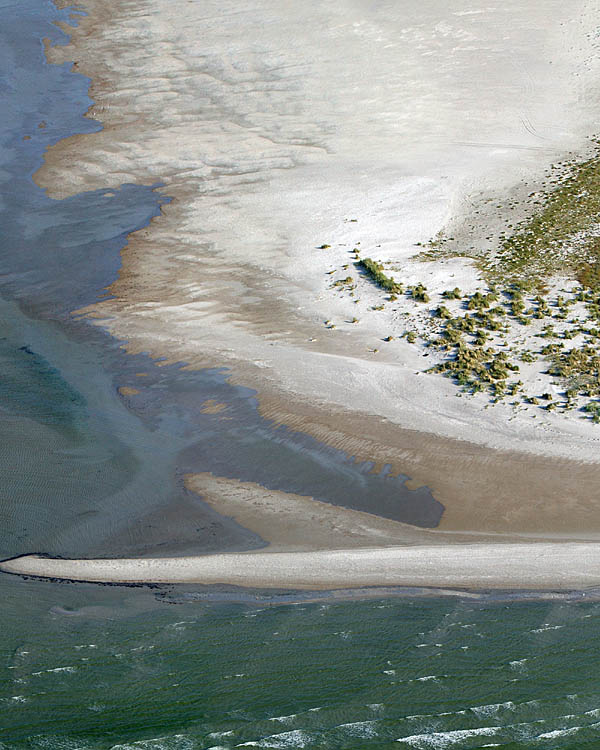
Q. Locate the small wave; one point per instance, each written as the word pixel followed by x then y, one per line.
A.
pixel 360 728
pixel 345 634
pixel 439 740
pixel 518 665
pixel 545 628
pixel 179 626
pixel 173 742
pixel 492 708
pixel 52 742
pixel 69 670
pixel 558 733
pixel 284 719
pixel 295 738
pixel 428 678
pixel 420 717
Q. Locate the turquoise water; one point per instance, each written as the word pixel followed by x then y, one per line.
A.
pixel 83 471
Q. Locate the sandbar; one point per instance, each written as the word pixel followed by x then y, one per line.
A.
pixel 488 566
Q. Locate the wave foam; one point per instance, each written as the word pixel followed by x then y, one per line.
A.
pixel 295 738
pixel 360 728
pixel 439 740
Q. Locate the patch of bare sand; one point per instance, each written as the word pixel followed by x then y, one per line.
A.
pixel 126 390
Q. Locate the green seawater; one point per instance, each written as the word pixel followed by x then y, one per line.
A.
pixel 102 667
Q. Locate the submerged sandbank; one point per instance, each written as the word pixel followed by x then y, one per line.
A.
pixel 488 566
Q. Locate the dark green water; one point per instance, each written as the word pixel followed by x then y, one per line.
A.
pixel 82 471
pixel 113 667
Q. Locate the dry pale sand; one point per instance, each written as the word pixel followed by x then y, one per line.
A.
pixel 488 566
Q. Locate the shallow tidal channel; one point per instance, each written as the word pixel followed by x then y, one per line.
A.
pixel 94 444
pixel 96 441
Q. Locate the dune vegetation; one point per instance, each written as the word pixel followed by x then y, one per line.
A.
pixel 538 307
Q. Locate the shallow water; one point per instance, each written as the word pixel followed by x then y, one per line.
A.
pixel 88 471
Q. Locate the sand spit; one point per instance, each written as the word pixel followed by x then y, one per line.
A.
pixel 487 566
pixel 281 127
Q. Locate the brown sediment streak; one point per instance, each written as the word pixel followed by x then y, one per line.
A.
pixel 482 490
pixel 191 289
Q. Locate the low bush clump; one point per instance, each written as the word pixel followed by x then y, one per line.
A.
pixel 375 271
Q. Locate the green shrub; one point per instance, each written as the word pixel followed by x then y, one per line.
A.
pixel 419 293
pixel 452 293
pixel 375 271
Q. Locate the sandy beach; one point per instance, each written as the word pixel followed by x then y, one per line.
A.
pixel 287 137
pixel 374 129
pixel 315 545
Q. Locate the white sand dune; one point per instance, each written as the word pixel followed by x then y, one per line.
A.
pixel 491 566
